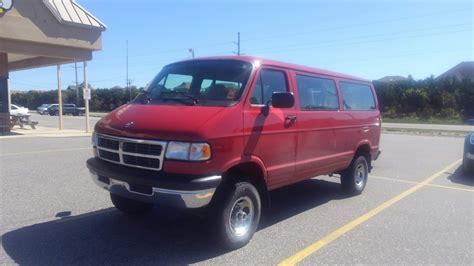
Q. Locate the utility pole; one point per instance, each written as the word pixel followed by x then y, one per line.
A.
pixel 128 81
pixel 191 50
pixel 87 96
pixel 238 44
pixel 60 97
pixel 77 85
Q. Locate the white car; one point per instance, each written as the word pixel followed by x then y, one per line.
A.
pixel 18 110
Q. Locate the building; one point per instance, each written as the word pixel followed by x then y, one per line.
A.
pixel 461 71
pixel 38 33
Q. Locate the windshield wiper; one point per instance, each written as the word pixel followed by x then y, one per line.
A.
pixel 182 94
pixel 147 96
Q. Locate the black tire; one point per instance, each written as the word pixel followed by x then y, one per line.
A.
pixel 129 206
pixel 235 197
pixel 467 169
pixel 354 178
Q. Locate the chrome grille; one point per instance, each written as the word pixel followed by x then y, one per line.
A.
pixel 146 154
pixel 142 148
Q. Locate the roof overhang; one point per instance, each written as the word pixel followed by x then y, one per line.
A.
pixel 49 32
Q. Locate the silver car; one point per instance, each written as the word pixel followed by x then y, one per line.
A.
pixel 43 109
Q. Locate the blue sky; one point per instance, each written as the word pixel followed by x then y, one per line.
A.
pixel 369 39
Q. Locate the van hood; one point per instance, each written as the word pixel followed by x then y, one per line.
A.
pixel 165 122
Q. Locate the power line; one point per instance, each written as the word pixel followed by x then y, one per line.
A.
pixel 310 46
pixel 207 45
pixel 355 25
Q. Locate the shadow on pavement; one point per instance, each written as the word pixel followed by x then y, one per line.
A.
pixel 460 178
pixel 163 236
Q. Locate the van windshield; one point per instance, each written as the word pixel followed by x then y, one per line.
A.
pixel 200 82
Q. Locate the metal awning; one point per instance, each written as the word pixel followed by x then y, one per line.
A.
pixel 70 12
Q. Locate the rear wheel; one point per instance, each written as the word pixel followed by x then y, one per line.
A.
pixel 354 178
pixel 237 214
pixel 131 206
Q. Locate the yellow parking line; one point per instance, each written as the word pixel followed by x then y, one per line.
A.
pixel 413 182
pixel 44 151
pixel 300 255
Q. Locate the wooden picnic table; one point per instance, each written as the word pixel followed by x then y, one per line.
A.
pixel 22 120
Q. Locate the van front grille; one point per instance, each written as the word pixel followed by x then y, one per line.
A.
pixel 108 143
pixel 141 161
pixel 111 156
pixel 142 148
pixel 146 154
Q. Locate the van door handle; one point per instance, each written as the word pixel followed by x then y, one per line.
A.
pixel 291 118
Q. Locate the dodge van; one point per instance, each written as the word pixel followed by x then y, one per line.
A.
pixel 218 134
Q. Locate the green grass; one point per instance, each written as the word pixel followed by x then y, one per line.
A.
pixel 418 120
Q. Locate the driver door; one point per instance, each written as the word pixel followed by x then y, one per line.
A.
pixel 272 137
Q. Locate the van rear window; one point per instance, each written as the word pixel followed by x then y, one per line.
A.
pixel 356 97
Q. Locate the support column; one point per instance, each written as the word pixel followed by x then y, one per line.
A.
pixel 4 94
pixel 60 98
pixel 86 98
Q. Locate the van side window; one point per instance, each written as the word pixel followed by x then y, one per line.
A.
pixel 317 93
pixel 268 82
pixel 358 97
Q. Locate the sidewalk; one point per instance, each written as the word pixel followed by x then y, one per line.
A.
pixel 47 132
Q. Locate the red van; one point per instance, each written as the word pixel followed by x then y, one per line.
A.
pixel 220 133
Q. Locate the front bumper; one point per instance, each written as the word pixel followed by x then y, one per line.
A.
pixel 469 156
pixel 152 187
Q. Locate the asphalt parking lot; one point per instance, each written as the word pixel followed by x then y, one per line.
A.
pixel 417 208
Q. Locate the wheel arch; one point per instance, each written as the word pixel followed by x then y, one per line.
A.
pixel 364 149
pixel 252 172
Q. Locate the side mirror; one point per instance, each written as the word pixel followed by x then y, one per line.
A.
pixel 283 99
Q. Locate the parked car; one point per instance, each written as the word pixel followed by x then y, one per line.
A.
pixel 468 157
pixel 43 109
pixel 67 109
pixel 243 126
pixel 18 110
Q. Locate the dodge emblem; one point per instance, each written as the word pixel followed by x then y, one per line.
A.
pixel 129 124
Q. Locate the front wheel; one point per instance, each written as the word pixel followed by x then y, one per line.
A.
pixel 468 169
pixel 237 214
pixel 129 206
pixel 354 178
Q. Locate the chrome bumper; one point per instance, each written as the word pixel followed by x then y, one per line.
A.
pixel 175 198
